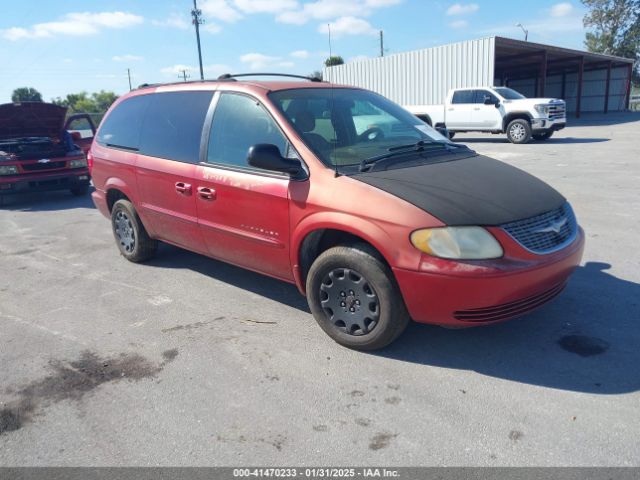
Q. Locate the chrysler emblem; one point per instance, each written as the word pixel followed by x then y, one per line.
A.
pixel 44 160
pixel 554 227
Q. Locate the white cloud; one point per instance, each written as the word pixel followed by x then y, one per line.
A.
pixel 459 24
pixel 76 24
pixel 174 20
pixel 348 26
pixel 460 9
pixel 126 58
pixel 265 6
pixel 259 61
pixel 220 10
pixel 300 54
pixel 211 28
pixel 331 9
pixel 561 9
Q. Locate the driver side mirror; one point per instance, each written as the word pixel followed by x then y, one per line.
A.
pixel 491 101
pixel 268 157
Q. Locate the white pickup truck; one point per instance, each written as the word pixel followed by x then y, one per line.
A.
pixel 495 110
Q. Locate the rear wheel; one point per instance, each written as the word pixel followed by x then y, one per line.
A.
pixel 543 136
pixel 355 299
pixel 131 237
pixel 519 131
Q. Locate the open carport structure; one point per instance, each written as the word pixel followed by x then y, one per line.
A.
pixel 588 82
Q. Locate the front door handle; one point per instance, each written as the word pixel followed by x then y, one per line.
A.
pixel 183 188
pixel 206 193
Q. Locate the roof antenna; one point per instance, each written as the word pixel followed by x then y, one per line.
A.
pixel 335 134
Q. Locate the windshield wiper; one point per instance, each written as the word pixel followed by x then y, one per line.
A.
pixel 404 149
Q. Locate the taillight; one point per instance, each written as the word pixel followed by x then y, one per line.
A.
pixel 90 161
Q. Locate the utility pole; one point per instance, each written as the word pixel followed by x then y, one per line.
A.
pixel 184 75
pixel 197 21
pixel 129 75
pixel 381 44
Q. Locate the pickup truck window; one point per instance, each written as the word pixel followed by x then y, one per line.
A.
pixel 509 93
pixel 462 96
pixel 481 95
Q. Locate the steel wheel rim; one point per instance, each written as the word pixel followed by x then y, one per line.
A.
pixel 124 231
pixel 517 131
pixel 349 302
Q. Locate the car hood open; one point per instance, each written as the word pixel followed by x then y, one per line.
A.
pixel 31 119
pixel 472 191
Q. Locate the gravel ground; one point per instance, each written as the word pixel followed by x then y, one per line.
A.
pixel 188 361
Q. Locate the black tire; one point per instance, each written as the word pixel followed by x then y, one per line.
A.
pixel 131 237
pixel 80 190
pixel 519 131
pixel 365 279
pixel 541 137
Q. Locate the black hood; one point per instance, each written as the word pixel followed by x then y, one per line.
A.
pixel 472 191
pixel 31 119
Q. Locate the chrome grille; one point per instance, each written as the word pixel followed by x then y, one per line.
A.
pixel 545 233
pixel 557 110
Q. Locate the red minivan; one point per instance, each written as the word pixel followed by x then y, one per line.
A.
pixel 375 216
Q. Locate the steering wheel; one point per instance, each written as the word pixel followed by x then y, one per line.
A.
pixel 372 134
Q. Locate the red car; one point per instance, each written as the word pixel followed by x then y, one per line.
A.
pixel 39 153
pixel 375 216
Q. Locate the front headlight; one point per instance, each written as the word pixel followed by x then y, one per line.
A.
pixel 80 162
pixel 542 109
pixel 459 243
pixel 8 170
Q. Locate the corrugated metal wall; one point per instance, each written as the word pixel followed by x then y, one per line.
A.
pixel 593 88
pixel 421 77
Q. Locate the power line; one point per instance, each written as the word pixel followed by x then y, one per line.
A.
pixel 197 21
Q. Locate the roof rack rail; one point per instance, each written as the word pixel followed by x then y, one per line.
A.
pixel 232 77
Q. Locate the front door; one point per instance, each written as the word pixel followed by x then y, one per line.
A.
pixel 485 115
pixel 243 212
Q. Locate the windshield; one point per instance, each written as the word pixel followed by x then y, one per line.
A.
pixel 346 126
pixel 509 94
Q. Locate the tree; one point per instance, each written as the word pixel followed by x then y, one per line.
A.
pixel 333 61
pixel 615 28
pixel 26 94
pixel 97 102
pixel 316 74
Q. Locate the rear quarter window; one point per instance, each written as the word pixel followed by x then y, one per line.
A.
pixel 121 128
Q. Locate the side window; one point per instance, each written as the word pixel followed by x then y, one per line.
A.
pixel 240 122
pixel 482 94
pixel 172 126
pixel 122 127
pixel 462 96
pixel 82 126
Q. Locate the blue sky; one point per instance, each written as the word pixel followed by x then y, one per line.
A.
pixel 66 46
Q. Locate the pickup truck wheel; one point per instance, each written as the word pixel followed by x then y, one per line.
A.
pixel 80 191
pixel 131 237
pixel 519 131
pixel 355 299
pixel 542 136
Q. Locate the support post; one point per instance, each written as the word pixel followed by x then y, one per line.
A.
pixel 543 73
pixel 563 92
pixel 629 75
pixel 579 95
pixel 606 89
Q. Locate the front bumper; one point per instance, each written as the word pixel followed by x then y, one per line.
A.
pixel 16 184
pixel 542 125
pixel 467 296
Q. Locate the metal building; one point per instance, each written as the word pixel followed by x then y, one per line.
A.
pixel 588 82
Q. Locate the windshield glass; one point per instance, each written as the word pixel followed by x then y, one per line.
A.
pixel 508 93
pixel 346 126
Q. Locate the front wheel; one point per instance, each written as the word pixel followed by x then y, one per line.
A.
pixel 131 237
pixel 543 136
pixel 354 298
pixel 519 131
